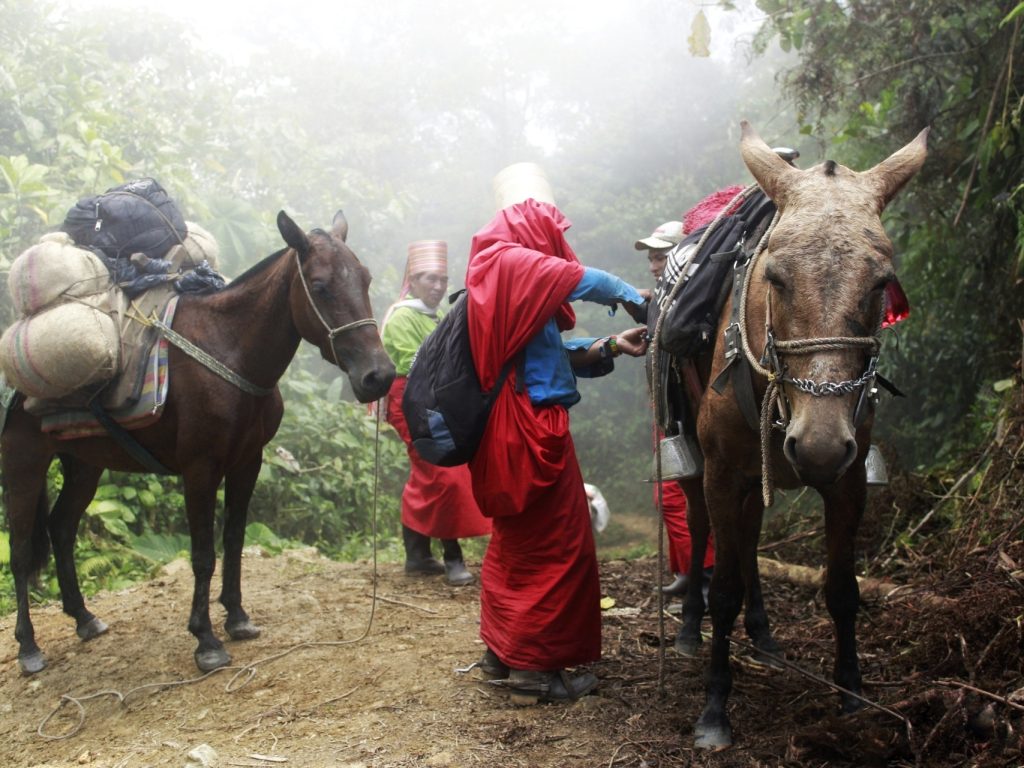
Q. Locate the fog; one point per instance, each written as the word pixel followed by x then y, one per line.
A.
pixel 416 105
pixel 401 113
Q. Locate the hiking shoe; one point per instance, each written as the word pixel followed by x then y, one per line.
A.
pixel 531 687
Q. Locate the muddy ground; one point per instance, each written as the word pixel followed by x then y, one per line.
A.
pixel 314 691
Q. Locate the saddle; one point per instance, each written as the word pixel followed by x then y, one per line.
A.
pixel 136 395
pixel 696 283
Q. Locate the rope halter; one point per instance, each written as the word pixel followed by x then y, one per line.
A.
pixel 331 332
pixel 770 366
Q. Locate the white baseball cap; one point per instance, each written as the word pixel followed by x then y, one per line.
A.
pixel 665 236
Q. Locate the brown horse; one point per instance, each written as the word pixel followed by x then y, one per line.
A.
pixel 809 318
pixel 210 430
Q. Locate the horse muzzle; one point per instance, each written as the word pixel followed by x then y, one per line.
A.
pixel 819 456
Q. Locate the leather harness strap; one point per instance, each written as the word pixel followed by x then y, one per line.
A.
pixel 737 369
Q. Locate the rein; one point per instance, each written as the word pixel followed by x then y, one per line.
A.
pixel 771 367
pixel 331 332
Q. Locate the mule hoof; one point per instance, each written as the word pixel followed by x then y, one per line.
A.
pixel 92 628
pixel 717 736
pixel 244 630
pixel 687 646
pixel 31 663
pixel 850 705
pixel 209 660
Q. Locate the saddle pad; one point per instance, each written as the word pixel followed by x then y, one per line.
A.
pixel 72 423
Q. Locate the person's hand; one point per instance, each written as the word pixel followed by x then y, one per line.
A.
pixel 633 342
pixel 639 311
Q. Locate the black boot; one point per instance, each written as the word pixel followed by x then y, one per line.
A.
pixel 418 559
pixel 532 687
pixel 454 566
pixel 677 587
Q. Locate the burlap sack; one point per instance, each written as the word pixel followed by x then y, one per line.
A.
pixel 60 350
pixel 52 271
pixel 199 245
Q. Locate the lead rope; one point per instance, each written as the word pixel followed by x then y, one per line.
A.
pixel 657 401
pixel 249 670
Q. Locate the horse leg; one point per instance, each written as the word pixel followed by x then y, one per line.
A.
pixel 689 638
pixel 238 487
pixel 713 729
pixel 200 500
pixel 843 509
pixel 80 482
pixel 25 461
pixel 755 617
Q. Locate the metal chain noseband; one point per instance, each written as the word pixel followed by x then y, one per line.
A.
pixel 331 332
pixel 773 371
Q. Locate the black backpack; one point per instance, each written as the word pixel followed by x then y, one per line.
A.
pixel 692 318
pixel 444 406
pixel 137 217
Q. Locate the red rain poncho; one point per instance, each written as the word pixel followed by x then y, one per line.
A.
pixel 540 594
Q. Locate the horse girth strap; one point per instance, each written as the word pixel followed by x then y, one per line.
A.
pixel 124 438
pixel 209 361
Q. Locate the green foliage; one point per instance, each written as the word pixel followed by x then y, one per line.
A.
pixel 327 490
pixel 871 75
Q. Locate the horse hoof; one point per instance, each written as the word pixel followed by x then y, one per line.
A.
pixel 31 663
pixel 687 646
pixel 768 655
pixel 244 630
pixel 715 737
pixel 92 628
pixel 207 661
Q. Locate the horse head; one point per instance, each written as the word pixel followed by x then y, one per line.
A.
pixel 330 305
pixel 819 285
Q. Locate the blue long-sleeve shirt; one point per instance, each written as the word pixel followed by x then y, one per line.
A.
pixel 547 373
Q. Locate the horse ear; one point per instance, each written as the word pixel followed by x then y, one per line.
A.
pixel 773 174
pixel 890 175
pixel 339 226
pixel 291 233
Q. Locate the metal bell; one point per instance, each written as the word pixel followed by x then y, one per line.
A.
pixel 680 458
pixel 874 467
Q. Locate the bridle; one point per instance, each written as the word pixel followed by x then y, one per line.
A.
pixel 331 332
pixel 772 367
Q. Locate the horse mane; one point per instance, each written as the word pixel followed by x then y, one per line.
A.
pixel 257 268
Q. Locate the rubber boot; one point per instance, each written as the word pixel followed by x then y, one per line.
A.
pixel 454 566
pixel 418 560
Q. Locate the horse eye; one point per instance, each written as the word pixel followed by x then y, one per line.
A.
pixel 320 287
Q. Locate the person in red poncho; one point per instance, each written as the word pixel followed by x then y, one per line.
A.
pixel 436 501
pixel 539 589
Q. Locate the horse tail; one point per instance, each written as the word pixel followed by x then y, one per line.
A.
pixel 40 535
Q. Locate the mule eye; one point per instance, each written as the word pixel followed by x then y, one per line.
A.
pixel 775 279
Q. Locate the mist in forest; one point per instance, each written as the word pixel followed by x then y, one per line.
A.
pixel 632 108
pixel 401 113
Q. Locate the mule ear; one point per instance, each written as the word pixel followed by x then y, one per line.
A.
pixel 291 233
pixel 773 174
pixel 339 226
pixel 890 175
